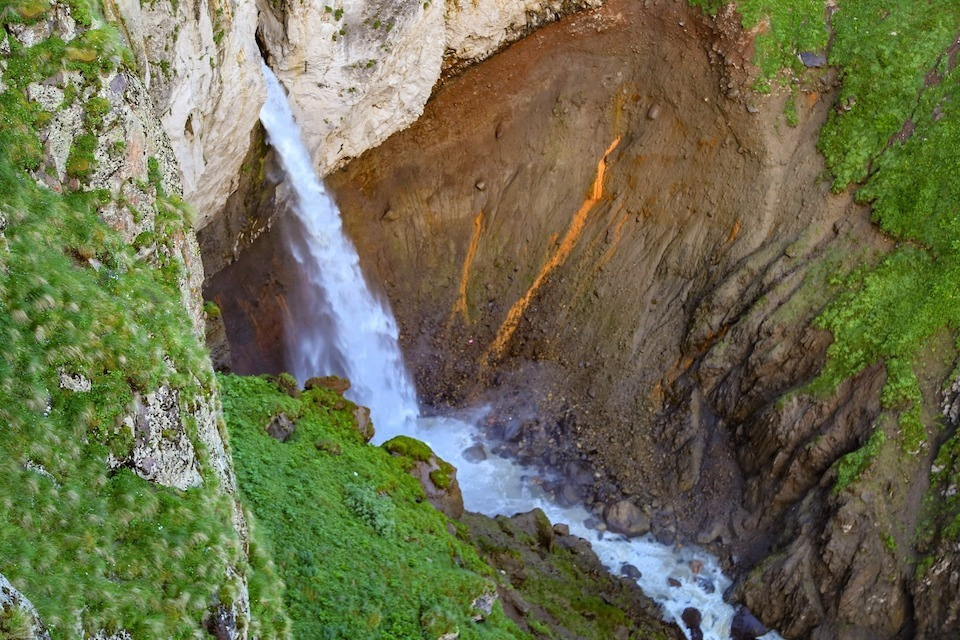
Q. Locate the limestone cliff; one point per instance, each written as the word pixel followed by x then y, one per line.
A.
pixel 111 407
pixel 200 64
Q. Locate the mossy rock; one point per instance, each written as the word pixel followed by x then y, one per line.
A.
pixel 409 448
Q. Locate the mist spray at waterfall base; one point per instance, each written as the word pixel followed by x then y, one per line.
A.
pixel 342 328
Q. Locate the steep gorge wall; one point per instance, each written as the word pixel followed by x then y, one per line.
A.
pixel 105 384
pixel 601 233
pixel 356 72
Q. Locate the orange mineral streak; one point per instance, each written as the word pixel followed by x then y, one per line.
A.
pixel 460 306
pixel 734 232
pixel 566 246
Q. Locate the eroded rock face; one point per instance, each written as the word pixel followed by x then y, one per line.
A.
pixel 475 30
pixel 201 66
pixel 363 69
pixel 10 600
pixel 356 72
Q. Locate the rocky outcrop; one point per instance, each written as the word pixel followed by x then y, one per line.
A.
pixel 554 580
pixel 437 477
pixel 475 30
pixel 18 616
pixel 200 63
pixel 101 136
pixel 358 71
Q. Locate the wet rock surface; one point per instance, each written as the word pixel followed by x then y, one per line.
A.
pixel 626 518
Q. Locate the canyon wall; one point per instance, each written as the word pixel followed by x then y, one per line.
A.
pixel 603 235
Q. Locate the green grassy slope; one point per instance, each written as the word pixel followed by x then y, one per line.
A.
pixel 95 549
pixel 360 550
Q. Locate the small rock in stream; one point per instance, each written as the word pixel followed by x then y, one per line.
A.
pixel 475 453
pixel 692 619
pixel 630 571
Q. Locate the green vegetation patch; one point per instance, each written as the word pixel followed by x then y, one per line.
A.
pixel 557 584
pixel 884 51
pixel 360 550
pixel 88 331
pixel 890 312
pixel 785 29
pixel 85 542
pixel 856 462
pixel 409 448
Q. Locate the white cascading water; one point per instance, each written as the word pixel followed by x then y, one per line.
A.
pixel 348 331
pixel 342 329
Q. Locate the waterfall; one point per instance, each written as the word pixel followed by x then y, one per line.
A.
pixel 340 327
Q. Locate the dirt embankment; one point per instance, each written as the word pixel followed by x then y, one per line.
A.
pixel 603 234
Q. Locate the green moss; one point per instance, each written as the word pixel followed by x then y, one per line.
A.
pixel 409 448
pixel 786 28
pixel 790 109
pixel 361 553
pixel 443 477
pixel 94 111
pixel 856 462
pixel 889 542
pixel 81 163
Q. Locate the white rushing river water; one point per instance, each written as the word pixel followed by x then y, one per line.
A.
pixel 346 330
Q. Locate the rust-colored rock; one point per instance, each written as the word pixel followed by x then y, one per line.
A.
pixel 334 383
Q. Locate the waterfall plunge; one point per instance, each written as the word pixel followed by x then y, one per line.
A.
pixel 342 328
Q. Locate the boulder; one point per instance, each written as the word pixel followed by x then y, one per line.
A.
pixel 476 453
pixel 437 477
pixel 364 425
pixel 813 59
pixel 537 525
pixel 630 571
pixel 568 495
pixel 483 606
pixel 281 427
pixel 626 518
pixel 691 619
pixel 334 383
pixel 746 626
